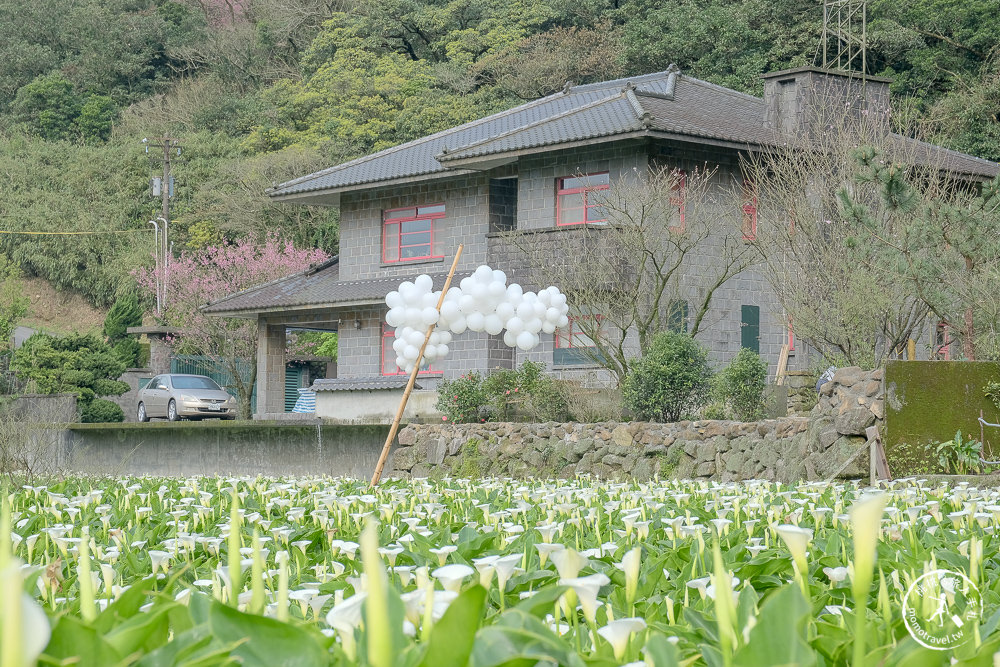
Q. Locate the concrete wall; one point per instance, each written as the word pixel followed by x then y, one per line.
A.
pixel 213 448
pixel 44 408
pixel 129 400
pixel 377 406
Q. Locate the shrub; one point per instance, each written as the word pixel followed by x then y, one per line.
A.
pixel 463 399
pixel 958 456
pixel 101 410
pixel 742 384
pixel 673 378
pixel 524 394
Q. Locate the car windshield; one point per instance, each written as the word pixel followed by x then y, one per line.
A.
pixel 194 382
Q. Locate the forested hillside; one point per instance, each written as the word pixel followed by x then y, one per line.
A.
pixel 259 91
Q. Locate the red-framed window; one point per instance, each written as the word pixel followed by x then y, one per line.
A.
pixel 749 210
pixel 388 355
pixel 409 234
pixel 791 336
pixel 576 203
pixel 677 199
pixel 573 346
pixel 942 342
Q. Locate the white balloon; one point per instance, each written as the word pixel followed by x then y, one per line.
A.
pixel 515 325
pixel 497 291
pixel 458 325
pixel 483 274
pixel 509 339
pixel 466 284
pixel 400 363
pixel 493 325
pixel 408 291
pixel 410 352
pixel 467 303
pixel 534 325
pixel 398 344
pixel 551 315
pixel 449 310
pixel 435 338
pixel 429 316
pixel 394 317
pixel 476 321
pixel 445 337
pixel 430 352
pixel 480 292
pixel 548 327
pixel 545 297
pixel 412 317
pixel 424 282
pixel 525 340
pixel 559 299
pixel 442 351
pixel 505 311
pixel 429 300
pixel 525 310
pixel 514 291
pixel 415 338
pixel 394 300
pixel 539 308
pixel 499 276
pixel 563 321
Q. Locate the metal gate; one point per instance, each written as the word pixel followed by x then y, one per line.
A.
pixel 199 365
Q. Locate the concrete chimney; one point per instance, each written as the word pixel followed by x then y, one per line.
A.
pixel 806 99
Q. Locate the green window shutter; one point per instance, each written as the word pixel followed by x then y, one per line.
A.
pixel 293 378
pixel 750 327
pixel 677 316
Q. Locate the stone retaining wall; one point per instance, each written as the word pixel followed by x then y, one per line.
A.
pixel 787 449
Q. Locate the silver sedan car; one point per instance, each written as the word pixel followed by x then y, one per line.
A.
pixel 176 397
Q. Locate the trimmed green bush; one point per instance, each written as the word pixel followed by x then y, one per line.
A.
pixel 463 399
pixel 671 380
pixel 742 384
pixel 524 394
pixel 100 411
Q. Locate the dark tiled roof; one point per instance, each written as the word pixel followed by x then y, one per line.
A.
pixel 419 157
pixel 321 288
pixel 665 102
pixel 363 383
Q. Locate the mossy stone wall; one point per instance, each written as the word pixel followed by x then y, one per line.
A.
pixel 928 401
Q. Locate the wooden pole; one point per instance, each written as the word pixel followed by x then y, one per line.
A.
pixel 413 378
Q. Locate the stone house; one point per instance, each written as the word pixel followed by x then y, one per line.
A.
pixel 404 210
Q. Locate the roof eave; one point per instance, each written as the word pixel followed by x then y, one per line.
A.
pixel 318 194
pixel 252 313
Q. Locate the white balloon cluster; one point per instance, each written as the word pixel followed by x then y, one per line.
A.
pixel 482 302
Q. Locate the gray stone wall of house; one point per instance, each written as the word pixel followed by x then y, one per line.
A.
pixel 128 402
pixel 468 220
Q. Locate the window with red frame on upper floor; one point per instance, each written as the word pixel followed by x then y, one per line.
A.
pixel 389 366
pixel 749 210
pixel 577 201
pixel 413 233
pixel 677 199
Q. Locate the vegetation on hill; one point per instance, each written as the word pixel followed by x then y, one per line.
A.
pixel 259 91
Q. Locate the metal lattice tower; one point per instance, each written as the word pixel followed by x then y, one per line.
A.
pixel 845 35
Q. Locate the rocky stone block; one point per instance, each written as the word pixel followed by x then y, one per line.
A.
pixel 854 420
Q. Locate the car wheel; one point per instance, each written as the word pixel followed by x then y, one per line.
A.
pixel 140 413
pixel 172 411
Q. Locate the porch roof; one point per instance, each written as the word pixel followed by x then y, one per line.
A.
pixel 317 287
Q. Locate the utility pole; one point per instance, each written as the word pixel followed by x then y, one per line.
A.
pixel 164 188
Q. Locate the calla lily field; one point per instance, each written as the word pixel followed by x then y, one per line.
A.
pixel 490 572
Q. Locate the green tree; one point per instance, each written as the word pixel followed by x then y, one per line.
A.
pixel 48 107
pixel 80 364
pixel 96 119
pixel 940 236
pixel 126 312
pixel 672 379
pixel 742 384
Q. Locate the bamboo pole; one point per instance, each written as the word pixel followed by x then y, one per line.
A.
pixel 413 378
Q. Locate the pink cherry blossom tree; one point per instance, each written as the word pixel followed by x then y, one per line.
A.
pixel 199 277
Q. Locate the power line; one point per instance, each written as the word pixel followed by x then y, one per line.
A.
pixel 110 231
